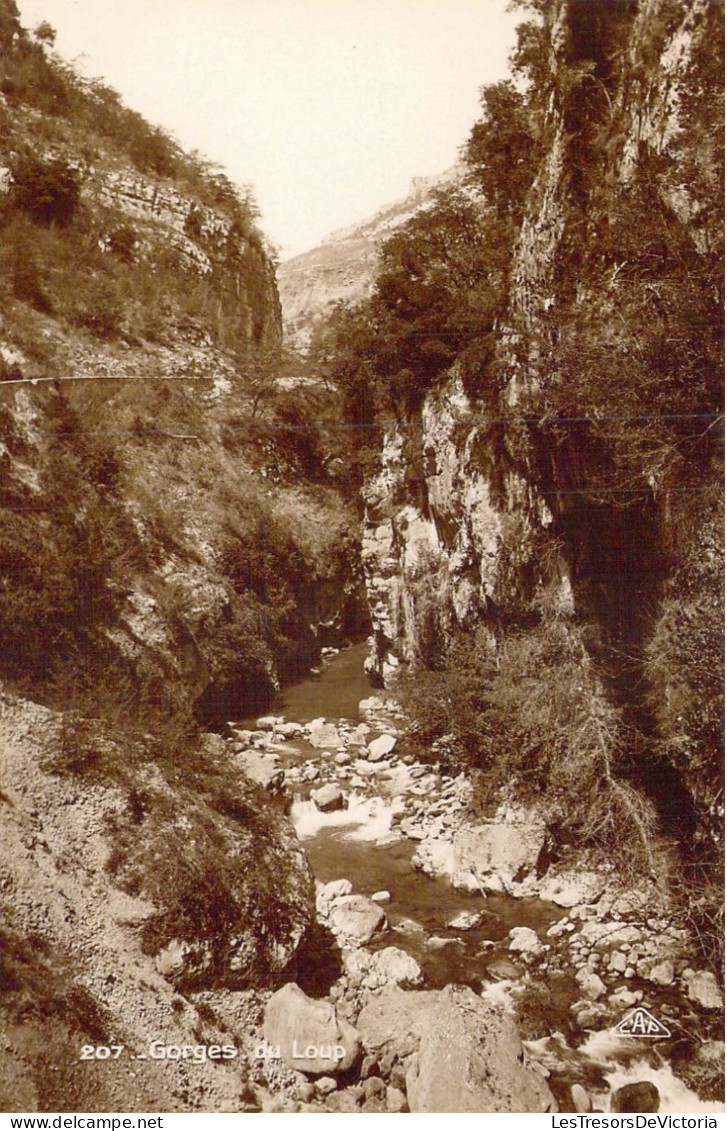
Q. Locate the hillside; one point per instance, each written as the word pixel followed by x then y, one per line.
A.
pixel 343 267
pixel 536 385
pixel 171 551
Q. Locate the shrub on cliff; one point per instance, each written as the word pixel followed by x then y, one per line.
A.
pixel 529 713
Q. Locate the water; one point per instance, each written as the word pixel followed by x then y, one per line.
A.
pixel 356 844
pixel 421 906
pixel 343 845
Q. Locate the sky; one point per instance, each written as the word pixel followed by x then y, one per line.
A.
pixel 328 108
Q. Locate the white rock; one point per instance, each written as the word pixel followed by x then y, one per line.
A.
pixel 381 896
pixel 465 921
pixel 381 746
pixel 324 737
pixel 289 730
pixel 269 722
pixel 590 984
pixel 357 919
pixel 373 703
pixel 328 798
pixel 393 967
pixel 572 888
pixel 661 974
pixel 335 888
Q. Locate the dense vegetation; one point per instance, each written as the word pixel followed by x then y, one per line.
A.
pixel 616 421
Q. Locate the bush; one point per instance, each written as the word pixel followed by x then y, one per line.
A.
pixel 47 191
pixel 528 711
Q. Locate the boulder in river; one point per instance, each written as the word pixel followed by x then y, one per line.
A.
pixel 393 967
pixel 465 921
pixel 328 798
pixel 289 730
pixel 590 984
pixel 497 857
pixel 466 1055
pixel 435 855
pixel 525 942
pixel 336 888
pixel 356 918
pixel 703 989
pixel 269 722
pixel 373 703
pixel 359 736
pixel 635 1098
pixel 570 889
pixel 309 1034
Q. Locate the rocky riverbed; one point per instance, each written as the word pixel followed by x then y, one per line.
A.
pixel 452 951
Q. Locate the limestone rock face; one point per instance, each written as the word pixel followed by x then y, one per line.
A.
pixel 309 1034
pixel 466 1056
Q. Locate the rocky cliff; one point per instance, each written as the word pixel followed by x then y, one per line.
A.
pixel 343 267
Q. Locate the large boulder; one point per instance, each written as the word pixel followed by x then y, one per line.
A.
pixel 525 942
pixel 328 798
pixel 356 919
pixel 497 857
pixel 464 1053
pixel 640 1097
pixel 388 967
pixel 309 1035
pixel 569 889
pixel 325 736
pixel 381 746
pixel 261 768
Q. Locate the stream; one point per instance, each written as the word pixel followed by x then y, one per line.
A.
pixel 363 844
pixel 354 844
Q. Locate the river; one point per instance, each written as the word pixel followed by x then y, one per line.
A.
pixel 361 843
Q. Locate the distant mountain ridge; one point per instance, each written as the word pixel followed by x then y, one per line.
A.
pixel 342 268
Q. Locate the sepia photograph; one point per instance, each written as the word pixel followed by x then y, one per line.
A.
pixel 361 560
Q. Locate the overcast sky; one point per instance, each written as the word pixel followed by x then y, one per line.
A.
pixel 328 107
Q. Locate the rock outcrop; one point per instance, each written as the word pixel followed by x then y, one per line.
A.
pixel 461 1053
pixel 343 267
